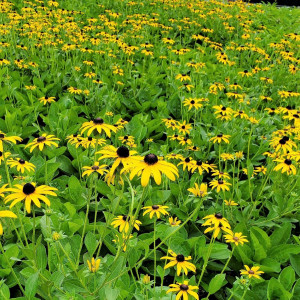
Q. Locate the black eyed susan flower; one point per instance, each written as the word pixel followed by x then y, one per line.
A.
pixel 230 203
pixel 121 155
pixel 220 174
pixel 21 165
pixel 174 222
pixel 199 191
pixel 98 125
pixel 7 154
pixel 152 166
pixel 221 138
pixel 184 290
pixel 124 221
pixel 215 220
pixel 155 209
pixel 183 77
pixel 184 128
pixel 220 184
pixel 200 166
pixel 187 163
pixel 252 272
pixel 94 264
pixel 237 238
pixel 174 156
pixel 46 100
pixel 181 262
pixel 91 142
pixel 8 139
pixel 126 139
pixel 95 168
pixel 286 166
pixel 6 214
pixel 3 189
pixel 74 90
pixel 284 144
pixel 42 141
pixel 192 103
pixel 29 192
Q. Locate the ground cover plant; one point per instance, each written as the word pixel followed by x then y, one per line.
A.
pixel 149 150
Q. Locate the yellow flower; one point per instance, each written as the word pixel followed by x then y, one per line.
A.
pixel 124 240
pixel 29 192
pixel 43 140
pixel 56 236
pixel 155 209
pixel 6 214
pixel 46 100
pixel 95 168
pixel 174 222
pixel 220 185
pixel 146 279
pixel 236 238
pixel 21 165
pixel 184 290
pixel 252 272
pixel 98 125
pixel 285 165
pixel 230 203
pixel 3 189
pixel 221 138
pixel 94 264
pixel 151 166
pixel 199 191
pixel 9 139
pixel 123 222
pixel 180 262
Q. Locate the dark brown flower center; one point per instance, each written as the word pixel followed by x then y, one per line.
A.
pixel 180 258
pixel 288 162
pixel 282 142
pixel 235 238
pixel 22 161
pixel 192 102
pixel 90 138
pixel 126 218
pixel 251 272
pixel 41 139
pixel 218 216
pixel 184 287
pixel 150 159
pixel 28 189
pixel 98 121
pixel 1 136
pixel 125 137
pixel 199 163
pixel 155 207
pixel 220 181
pixel 187 160
pixel 220 135
pixel 95 168
pixel 123 152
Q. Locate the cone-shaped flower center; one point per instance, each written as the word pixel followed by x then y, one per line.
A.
pixel 95 168
pixel 22 161
pixel 41 139
pixel 199 163
pixel 251 272
pixel 184 287
pixel 150 159
pixel 155 207
pixel 220 181
pixel 286 138
pixel 1 136
pixel 288 162
pixel 218 216
pixel 98 121
pixel 282 141
pixel 123 152
pixel 192 102
pixel 187 160
pixel 180 258
pixel 90 138
pixel 28 189
pixel 220 135
pixel 126 218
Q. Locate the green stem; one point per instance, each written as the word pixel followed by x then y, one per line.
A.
pixel 154 240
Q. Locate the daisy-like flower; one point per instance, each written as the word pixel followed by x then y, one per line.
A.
pixel 200 166
pixel 74 90
pixel 220 184
pixel 122 155
pixel 8 139
pixel 42 141
pixel 252 272
pixel 155 209
pixel 95 168
pixel 174 156
pixel 183 77
pixel 91 142
pixel 284 144
pixel 3 189
pixel 151 166
pixel 237 238
pixel 180 262
pixel 184 128
pixel 174 222
pixel 29 192
pixel 188 163
pixel 230 203
pixel 124 222
pixel 220 174
pixel 94 264
pixel 221 138
pixel 21 165
pixel 192 103
pixel 215 220
pixel 6 214
pixel 98 125
pixel 46 100
pixel 199 191
pixel 7 154
pixel 184 290
pixel 286 166
pixel 126 139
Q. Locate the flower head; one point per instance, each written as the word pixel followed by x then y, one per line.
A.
pixel 94 264
pixel 42 141
pixel 252 272
pixel 184 290
pixel 155 209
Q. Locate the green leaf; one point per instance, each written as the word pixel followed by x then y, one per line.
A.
pixel 295 262
pixel 281 235
pixel 4 291
pixel 281 253
pixel 31 285
pixel 75 188
pixel 41 257
pixel 287 277
pixel 216 283
pixel 277 291
pixel 91 242
pixel 111 293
